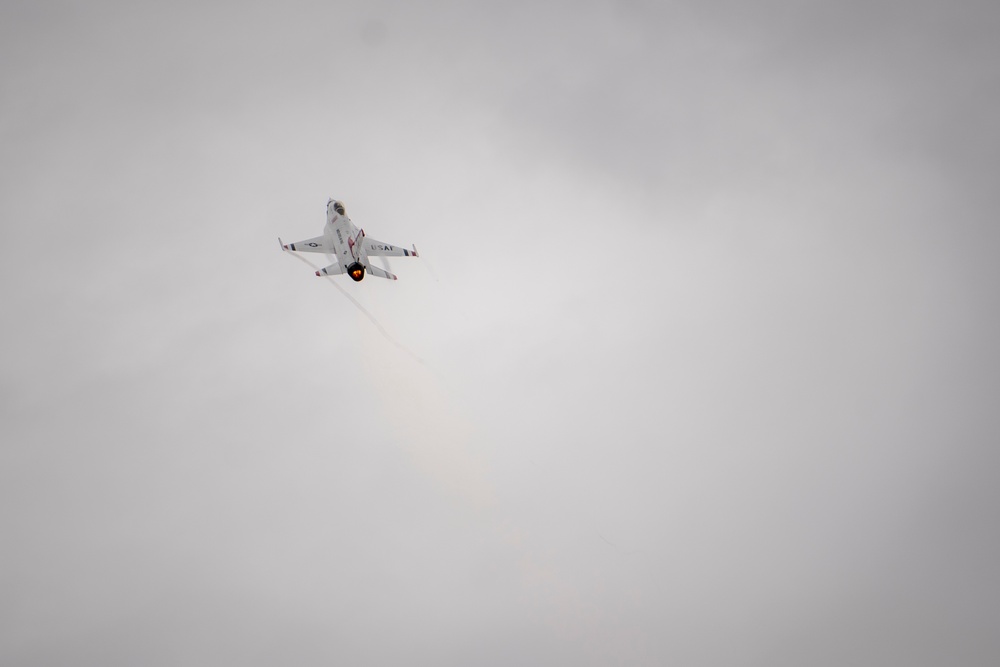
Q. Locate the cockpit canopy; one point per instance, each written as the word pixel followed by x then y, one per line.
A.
pixel 337 206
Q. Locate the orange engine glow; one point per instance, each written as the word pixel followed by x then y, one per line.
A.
pixel 356 272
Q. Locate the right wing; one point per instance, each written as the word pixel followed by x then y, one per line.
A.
pixel 317 244
pixel 378 249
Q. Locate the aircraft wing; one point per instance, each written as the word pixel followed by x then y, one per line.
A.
pixel 378 249
pixel 317 244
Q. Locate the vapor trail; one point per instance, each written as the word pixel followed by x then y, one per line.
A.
pixel 371 318
pixel 427 419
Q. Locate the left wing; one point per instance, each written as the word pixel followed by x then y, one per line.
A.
pixel 378 249
pixel 317 244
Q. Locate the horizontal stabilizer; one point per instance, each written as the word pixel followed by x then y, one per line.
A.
pixel 332 270
pixel 381 273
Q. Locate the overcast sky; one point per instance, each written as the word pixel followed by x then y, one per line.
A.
pixel 698 365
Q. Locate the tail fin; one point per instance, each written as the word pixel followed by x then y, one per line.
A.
pixel 357 244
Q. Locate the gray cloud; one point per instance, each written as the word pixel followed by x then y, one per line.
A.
pixel 705 322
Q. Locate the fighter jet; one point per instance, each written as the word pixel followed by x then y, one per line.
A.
pixel 349 245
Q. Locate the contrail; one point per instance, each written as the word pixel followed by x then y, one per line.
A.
pixel 371 318
pixel 437 438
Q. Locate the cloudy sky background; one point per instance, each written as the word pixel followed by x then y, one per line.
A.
pixel 699 364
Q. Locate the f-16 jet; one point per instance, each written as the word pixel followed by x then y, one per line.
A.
pixel 350 246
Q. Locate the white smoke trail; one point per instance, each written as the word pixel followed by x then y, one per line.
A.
pixel 371 318
pixel 438 439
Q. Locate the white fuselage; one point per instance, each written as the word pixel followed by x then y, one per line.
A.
pixel 344 237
